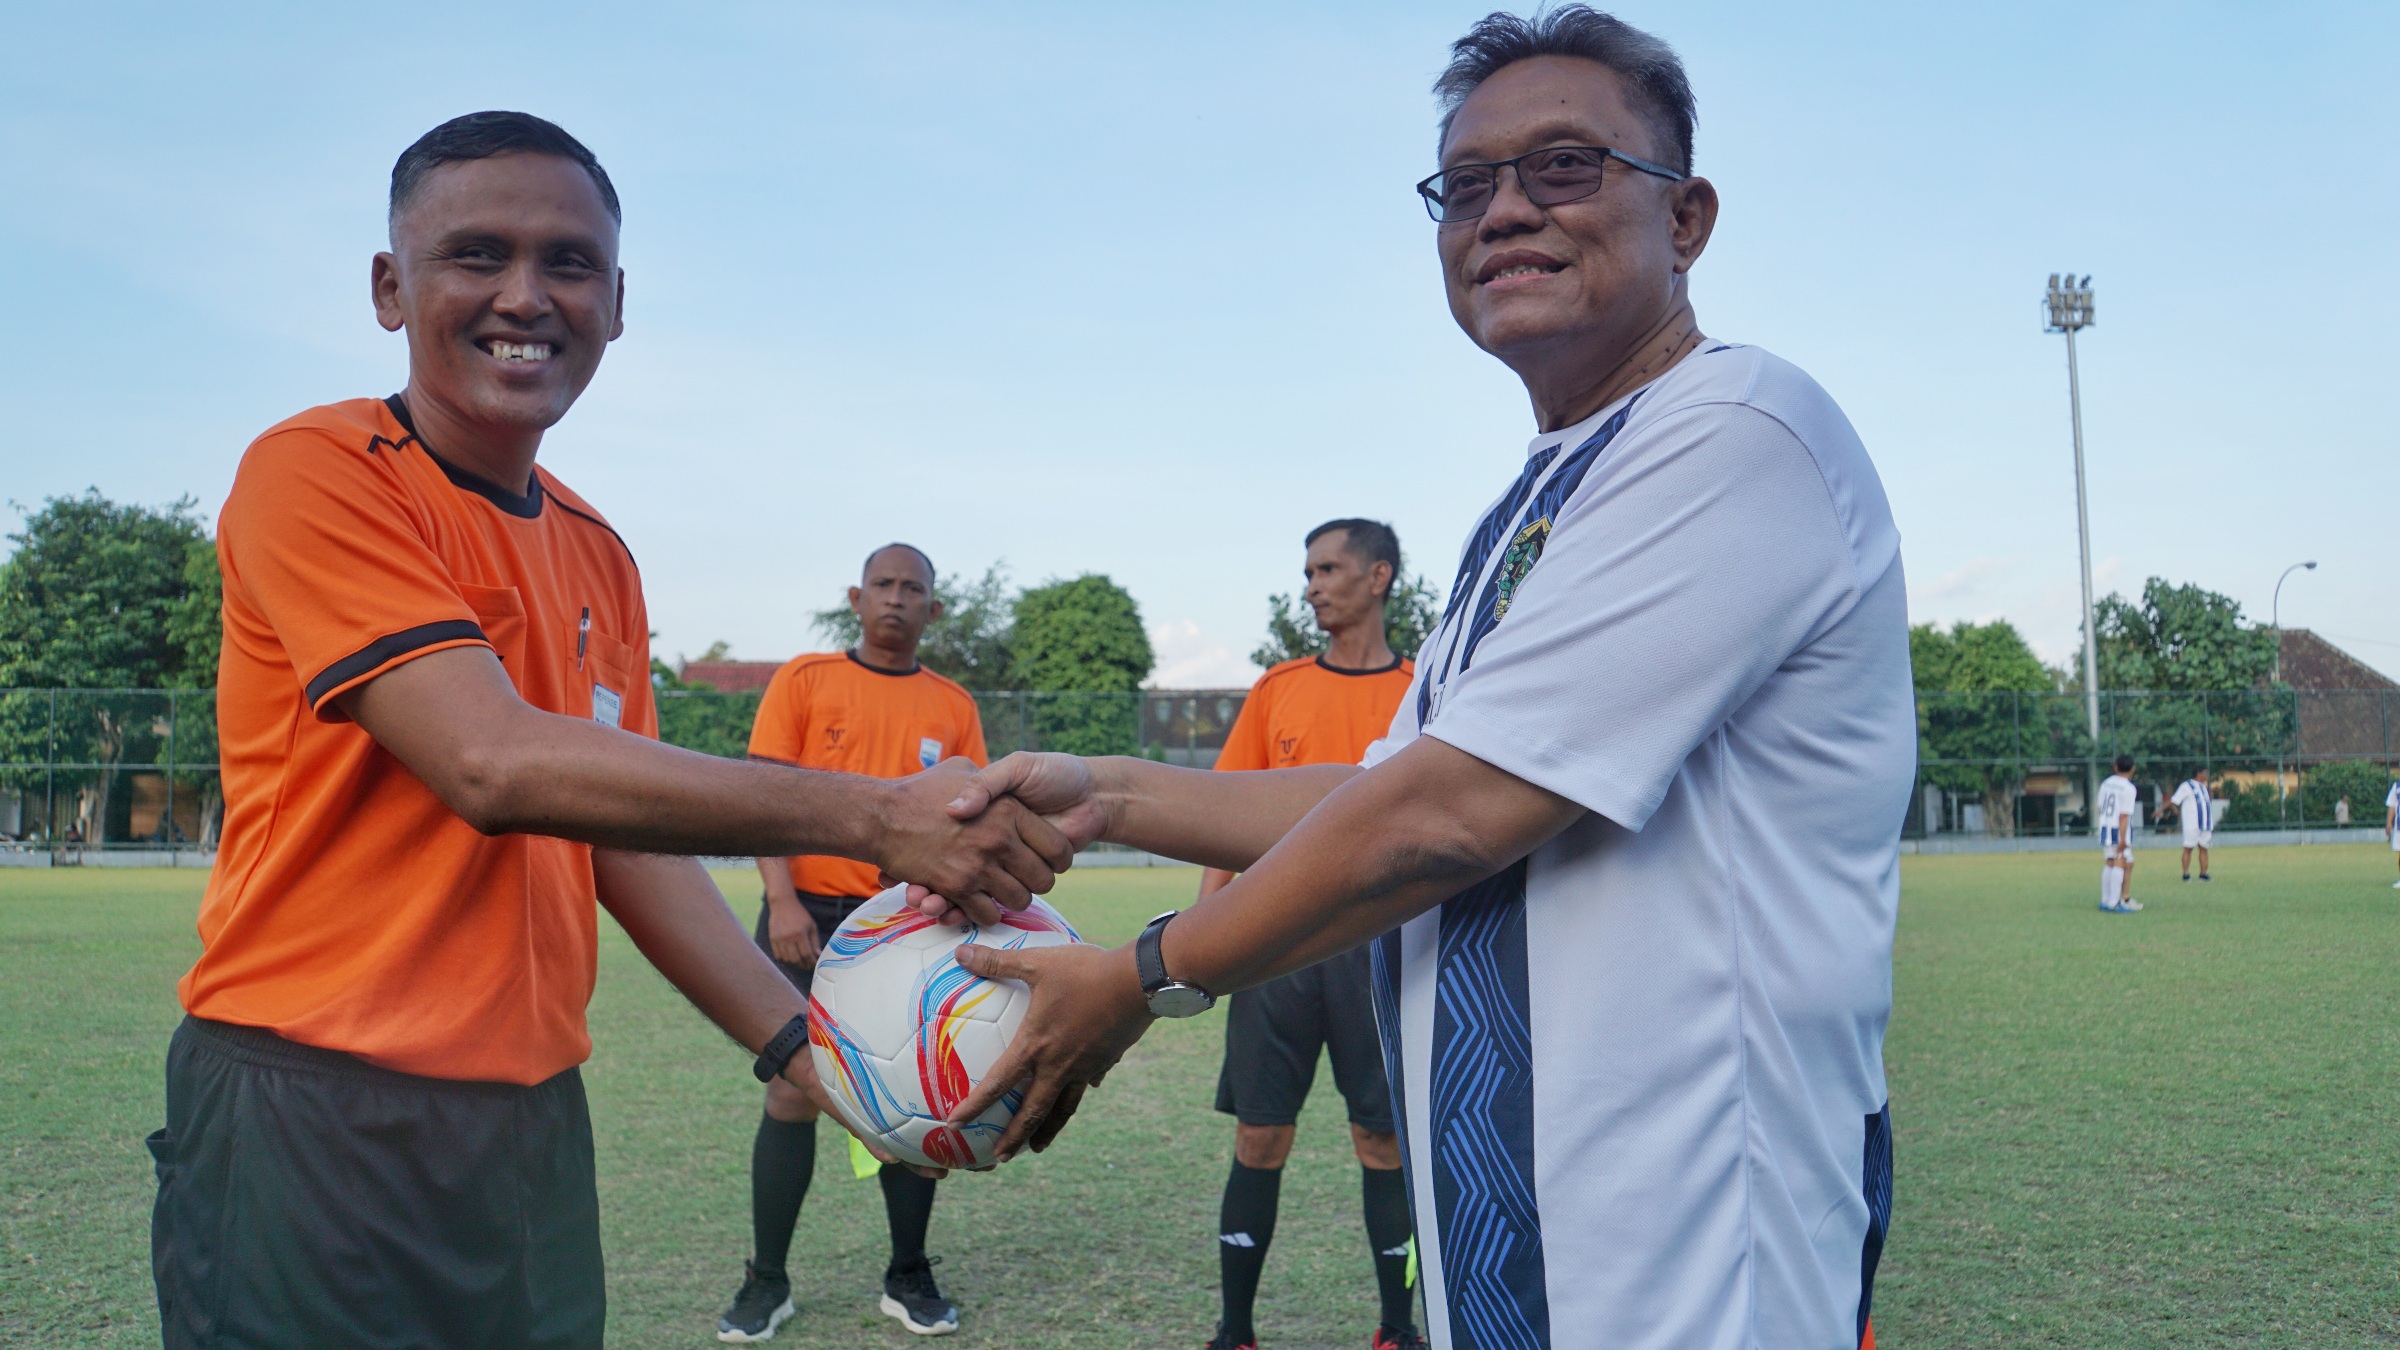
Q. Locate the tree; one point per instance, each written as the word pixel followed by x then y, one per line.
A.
pixel 1083 637
pixel 196 624
pixel 970 643
pixel 2208 679
pixel 693 715
pixel 1972 681
pixel 89 601
pixel 1410 612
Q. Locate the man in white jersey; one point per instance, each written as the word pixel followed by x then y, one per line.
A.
pixel 2120 804
pixel 1637 1055
pixel 2391 824
pixel 2197 814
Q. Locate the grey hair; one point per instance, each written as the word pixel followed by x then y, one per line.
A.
pixel 1652 73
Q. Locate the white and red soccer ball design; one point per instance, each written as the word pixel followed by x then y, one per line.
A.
pixel 902 1033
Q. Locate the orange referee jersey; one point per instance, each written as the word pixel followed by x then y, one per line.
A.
pixel 1307 712
pixel 349 908
pixel 830 710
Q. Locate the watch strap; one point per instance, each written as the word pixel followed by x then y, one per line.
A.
pixel 1149 963
pixel 780 1048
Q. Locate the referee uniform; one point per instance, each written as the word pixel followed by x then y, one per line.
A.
pixel 376 1133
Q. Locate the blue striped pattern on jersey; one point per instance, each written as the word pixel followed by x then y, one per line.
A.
pixel 1553 494
pixel 2201 805
pixel 1482 1123
pixel 1488 533
pixel 1383 956
pixel 1878 1187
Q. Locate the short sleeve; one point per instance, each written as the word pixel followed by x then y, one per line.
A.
pixel 324 543
pixel 641 704
pixel 1691 562
pixel 971 745
pixel 780 729
pixel 1246 740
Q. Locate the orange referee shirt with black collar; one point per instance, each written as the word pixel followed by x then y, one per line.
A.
pixel 830 710
pixel 1307 712
pixel 350 909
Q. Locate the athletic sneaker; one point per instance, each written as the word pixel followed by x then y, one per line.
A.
pixel 764 1304
pixel 910 1294
pixel 2188 876
pixel 2107 908
pixel 2204 876
pixel 2129 907
pixel 1389 1337
pixel 1224 1340
pixel 2396 885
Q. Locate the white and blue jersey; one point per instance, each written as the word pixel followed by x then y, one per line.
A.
pixel 2195 810
pixel 1641 1072
pixel 2119 808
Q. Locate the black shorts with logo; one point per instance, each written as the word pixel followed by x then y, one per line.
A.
pixel 828 911
pixel 1273 1033
pixel 307 1198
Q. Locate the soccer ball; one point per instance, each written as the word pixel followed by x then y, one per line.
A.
pixel 901 1032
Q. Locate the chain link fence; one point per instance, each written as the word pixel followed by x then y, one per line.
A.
pixel 136 769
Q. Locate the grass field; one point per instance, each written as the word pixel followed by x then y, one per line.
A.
pixel 2176 1129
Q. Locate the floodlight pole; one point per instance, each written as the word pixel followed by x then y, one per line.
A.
pixel 2069 309
pixel 2275 613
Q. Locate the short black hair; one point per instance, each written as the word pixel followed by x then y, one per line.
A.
pixel 930 574
pixel 2124 764
pixel 1371 540
pixel 482 135
pixel 1652 73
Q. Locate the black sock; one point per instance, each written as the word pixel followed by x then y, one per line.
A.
pixel 1386 1196
pixel 908 1203
pixel 1245 1225
pixel 782 1159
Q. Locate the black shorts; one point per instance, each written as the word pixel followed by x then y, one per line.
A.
pixel 307 1198
pixel 1273 1033
pixel 828 911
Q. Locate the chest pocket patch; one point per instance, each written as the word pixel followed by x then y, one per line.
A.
pixel 608 707
pixel 929 751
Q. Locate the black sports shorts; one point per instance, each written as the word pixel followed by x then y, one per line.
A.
pixel 307 1199
pixel 828 911
pixel 1273 1033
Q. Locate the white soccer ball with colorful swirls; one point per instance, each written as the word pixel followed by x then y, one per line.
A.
pixel 901 1032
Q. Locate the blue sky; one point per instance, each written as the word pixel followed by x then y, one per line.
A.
pixel 1142 289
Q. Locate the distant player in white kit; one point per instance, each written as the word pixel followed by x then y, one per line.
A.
pixel 2391 823
pixel 2192 806
pixel 2119 806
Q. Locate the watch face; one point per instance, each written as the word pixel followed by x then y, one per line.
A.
pixel 1180 1000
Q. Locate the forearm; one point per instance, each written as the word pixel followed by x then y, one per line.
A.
pixel 1220 820
pixel 776 875
pixel 1383 847
pixel 673 913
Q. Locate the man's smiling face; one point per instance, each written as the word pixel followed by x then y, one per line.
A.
pixel 504 272
pixel 1522 278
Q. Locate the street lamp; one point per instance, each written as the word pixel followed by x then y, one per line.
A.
pixel 2068 306
pixel 2275 613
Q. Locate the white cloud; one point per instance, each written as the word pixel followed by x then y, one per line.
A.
pixel 1190 658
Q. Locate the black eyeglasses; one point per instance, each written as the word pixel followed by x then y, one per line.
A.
pixel 1552 177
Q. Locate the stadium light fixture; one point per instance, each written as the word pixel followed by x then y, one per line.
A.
pixel 2275 613
pixel 2068 307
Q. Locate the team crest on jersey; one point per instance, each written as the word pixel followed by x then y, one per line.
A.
pixel 1523 552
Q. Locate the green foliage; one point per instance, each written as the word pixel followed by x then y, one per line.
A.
pixel 1081 636
pixel 1410 612
pixel 2363 781
pixel 90 596
pixel 969 643
pixel 1976 657
pixel 196 623
pixel 1978 699
pixel 692 714
pixel 2180 638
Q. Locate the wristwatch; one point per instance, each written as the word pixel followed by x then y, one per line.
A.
pixel 1167 997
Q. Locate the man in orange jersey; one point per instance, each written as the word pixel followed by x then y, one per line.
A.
pixel 438 752
pixel 871 710
pixel 1316 710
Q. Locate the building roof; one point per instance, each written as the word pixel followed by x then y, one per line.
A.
pixel 2312 663
pixel 731 677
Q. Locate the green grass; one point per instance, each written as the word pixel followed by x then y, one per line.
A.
pixel 2175 1129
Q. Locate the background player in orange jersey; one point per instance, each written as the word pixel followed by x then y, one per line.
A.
pixel 871 710
pixel 1316 710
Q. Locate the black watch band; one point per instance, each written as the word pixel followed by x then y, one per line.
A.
pixel 1167 996
pixel 781 1047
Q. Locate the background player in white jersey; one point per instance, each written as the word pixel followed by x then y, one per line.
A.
pixel 2198 815
pixel 2119 806
pixel 2391 824
pixel 1638 1057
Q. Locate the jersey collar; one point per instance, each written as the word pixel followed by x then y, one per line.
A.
pixel 525 507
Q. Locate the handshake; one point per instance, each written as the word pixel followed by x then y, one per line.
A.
pixel 971 842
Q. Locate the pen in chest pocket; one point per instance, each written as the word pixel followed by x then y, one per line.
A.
pixel 583 636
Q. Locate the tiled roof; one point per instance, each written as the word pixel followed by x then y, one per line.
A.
pixel 2312 663
pixel 731 677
